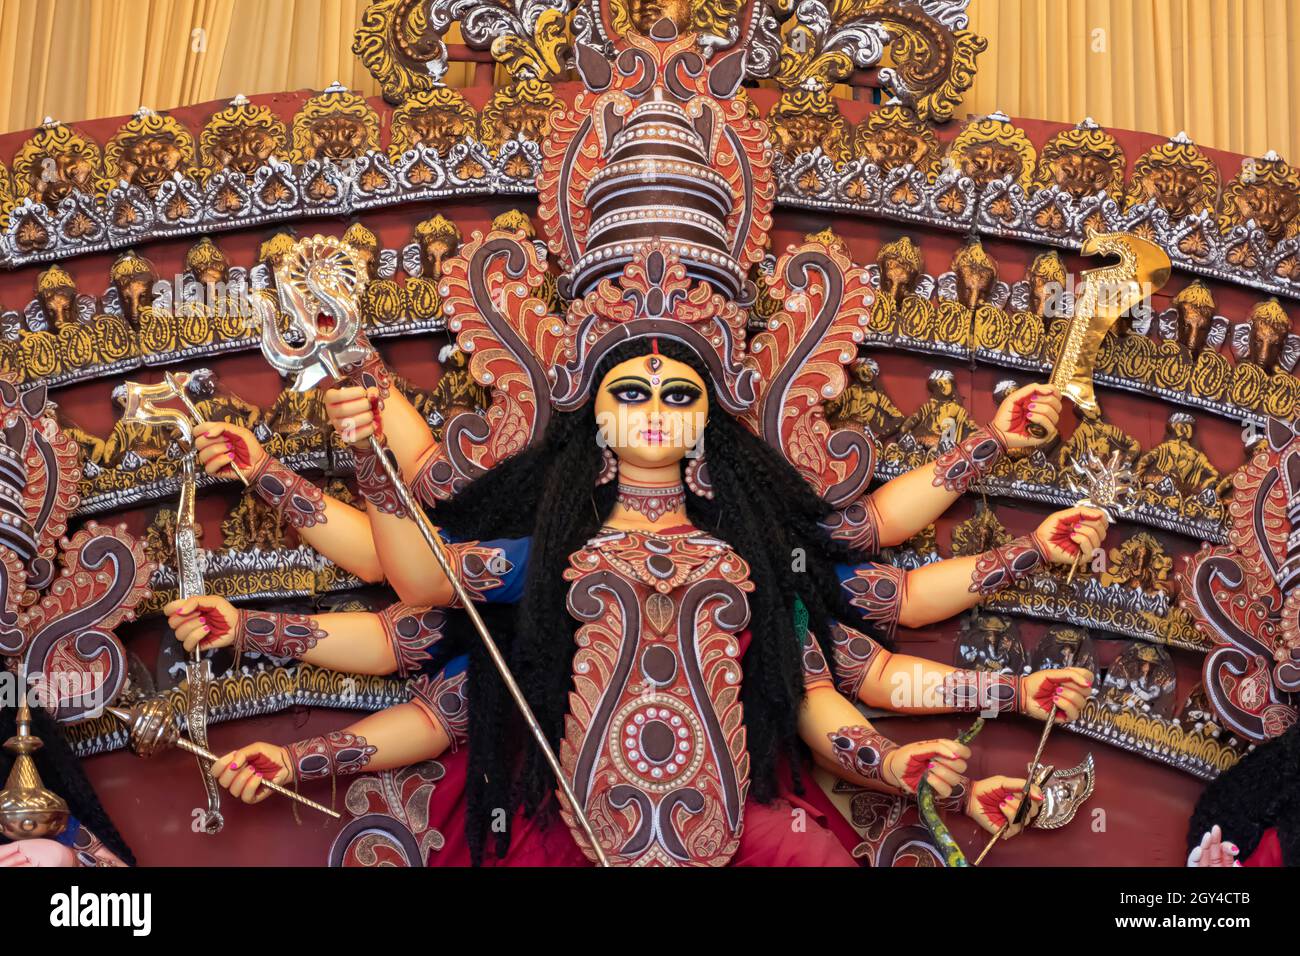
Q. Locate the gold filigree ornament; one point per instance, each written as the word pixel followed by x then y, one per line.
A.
pixel 56 162
pixel 147 151
pixel 438 118
pixel 241 138
pixel 991 149
pixel 1265 192
pixel 402 49
pixel 1180 178
pixel 931 64
pixel 1082 161
pixel 335 124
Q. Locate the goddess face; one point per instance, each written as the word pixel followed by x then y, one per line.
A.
pixel 651 410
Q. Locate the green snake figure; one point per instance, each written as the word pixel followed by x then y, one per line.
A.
pixel 952 854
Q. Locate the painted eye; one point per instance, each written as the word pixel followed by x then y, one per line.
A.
pixel 680 396
pixel 630 394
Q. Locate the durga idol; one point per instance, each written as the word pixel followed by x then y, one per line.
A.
pixel 670 543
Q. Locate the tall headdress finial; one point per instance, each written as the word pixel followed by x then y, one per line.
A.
pixel 657 189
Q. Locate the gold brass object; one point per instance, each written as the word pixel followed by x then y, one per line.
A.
pixel 152 731
pixel 1106 294
pixel 28 811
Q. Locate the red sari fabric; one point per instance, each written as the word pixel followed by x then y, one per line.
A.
pixel 1268 852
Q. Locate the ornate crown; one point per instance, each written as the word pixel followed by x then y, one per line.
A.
pixel 655 196
pixel 659 147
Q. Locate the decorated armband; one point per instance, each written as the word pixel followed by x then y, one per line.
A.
pixel 91 851
pixel 370 372
pixel 862 751
pixel 373 483
pixel 877 590
pixel 1004 566
pixel 856 524
pixel 276 635
pixel 854 654
pixel 480 567
pixel 336 754
pixel 968 461
pixel 411 631
pixel 966 690
pixel 815 671
pixel 443 701
pixel 300 502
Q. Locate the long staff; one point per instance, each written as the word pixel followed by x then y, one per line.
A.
pixel 327 271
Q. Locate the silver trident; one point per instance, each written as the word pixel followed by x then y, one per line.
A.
pixel 320 281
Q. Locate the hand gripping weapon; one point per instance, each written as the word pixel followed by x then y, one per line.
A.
pixel 152 730
pixel 1106 294
pixel 1110 488
pixel 144 405
pixel 319 283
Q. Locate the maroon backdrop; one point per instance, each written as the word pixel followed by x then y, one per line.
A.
pixel 1139 812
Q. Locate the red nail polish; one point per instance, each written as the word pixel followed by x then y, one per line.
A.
pixel 234 766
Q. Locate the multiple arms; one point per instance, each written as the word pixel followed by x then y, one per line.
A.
pixel 383 539
pixel 843 742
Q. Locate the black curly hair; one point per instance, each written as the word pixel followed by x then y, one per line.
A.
pixel 61 772
pixel 761 507
pixel 1261 791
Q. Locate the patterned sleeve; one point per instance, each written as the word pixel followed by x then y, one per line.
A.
pixel 877 591
pixel 441 696
pixel 857 524
pixel 854 654
pixel 492 571
pixel 815 671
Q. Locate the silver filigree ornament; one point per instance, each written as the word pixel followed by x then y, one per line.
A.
pixel 1109 486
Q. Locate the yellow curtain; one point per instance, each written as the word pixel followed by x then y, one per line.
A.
pixel 83 59
pixel 1225 71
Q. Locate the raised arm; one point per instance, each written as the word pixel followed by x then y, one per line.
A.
pixel 491 571
pixel 396 640
pixel 339 532
pixel 912 501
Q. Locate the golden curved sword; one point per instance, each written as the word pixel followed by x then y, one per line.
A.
pixel 1106 294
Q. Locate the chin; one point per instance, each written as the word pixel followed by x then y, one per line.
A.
pixel 652 458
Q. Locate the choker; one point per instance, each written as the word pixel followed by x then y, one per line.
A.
pixel 654 503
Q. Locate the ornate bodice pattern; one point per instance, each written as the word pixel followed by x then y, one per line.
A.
pixel 654 741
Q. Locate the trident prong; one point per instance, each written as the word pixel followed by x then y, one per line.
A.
pixel 321 278
pixel 144 406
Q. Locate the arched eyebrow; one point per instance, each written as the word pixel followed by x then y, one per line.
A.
pixel 681 381
pixel 624 379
